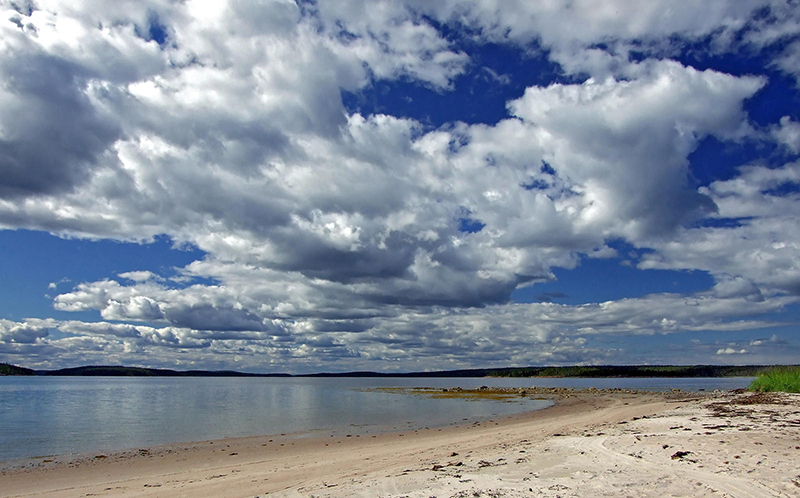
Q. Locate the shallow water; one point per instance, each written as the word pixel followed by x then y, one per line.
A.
pixel 42 416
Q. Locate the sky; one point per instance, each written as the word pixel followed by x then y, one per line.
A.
pixel 326 186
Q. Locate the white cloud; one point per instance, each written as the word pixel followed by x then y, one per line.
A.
pixel 788 133
pixel 28 332
pixel 392 40
pixel 789 60
pixel 322 330
pixel 761 247
pixel 630 140
pixel 774 339
pixel 728 351
pixel 728 287
pixel 598 37
pixel 139 276
pixel 333 235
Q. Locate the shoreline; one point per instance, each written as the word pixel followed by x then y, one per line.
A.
pixel 554 395
pixel 499 454
pixel 352 430
pixel 317 406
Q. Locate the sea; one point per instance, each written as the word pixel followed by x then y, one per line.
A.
pixel 51 416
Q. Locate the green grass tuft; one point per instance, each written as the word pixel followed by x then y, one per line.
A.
pixel 784 379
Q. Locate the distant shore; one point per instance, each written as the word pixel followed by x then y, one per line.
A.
pixel 588 444
pixel 600 371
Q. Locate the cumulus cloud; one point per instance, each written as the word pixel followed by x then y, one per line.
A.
pixel 430 338
pixel 789 61
pixel 331 234
pixel 599 137
pixel 27 332
pixel 393 40
pixel 758 249
pixel 601 38
pixel 774 339
pixel 737 287
pixel 788 133
pixel 348 198
pixel 139 276
pixel 54 285
pixel 728 351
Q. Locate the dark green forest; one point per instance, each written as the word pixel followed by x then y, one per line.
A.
pixel 633 371
pixel 6 369
pixel 523 372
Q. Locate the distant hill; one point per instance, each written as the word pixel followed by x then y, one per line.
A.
pixel 633 371
pixel 6 369
pixel 473 372
pixel 578 371
pixel 119 371
pixel 522 372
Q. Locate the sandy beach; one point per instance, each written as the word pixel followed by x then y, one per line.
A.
pixel 590 444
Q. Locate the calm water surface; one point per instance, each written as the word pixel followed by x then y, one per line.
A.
pixel 42 416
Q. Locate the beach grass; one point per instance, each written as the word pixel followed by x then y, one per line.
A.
pixel 783 379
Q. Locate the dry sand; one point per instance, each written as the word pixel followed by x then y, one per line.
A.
pixel 590 445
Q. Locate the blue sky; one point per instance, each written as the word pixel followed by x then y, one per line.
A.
pixel 395 186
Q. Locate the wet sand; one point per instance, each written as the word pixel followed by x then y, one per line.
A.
pixel 588 444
